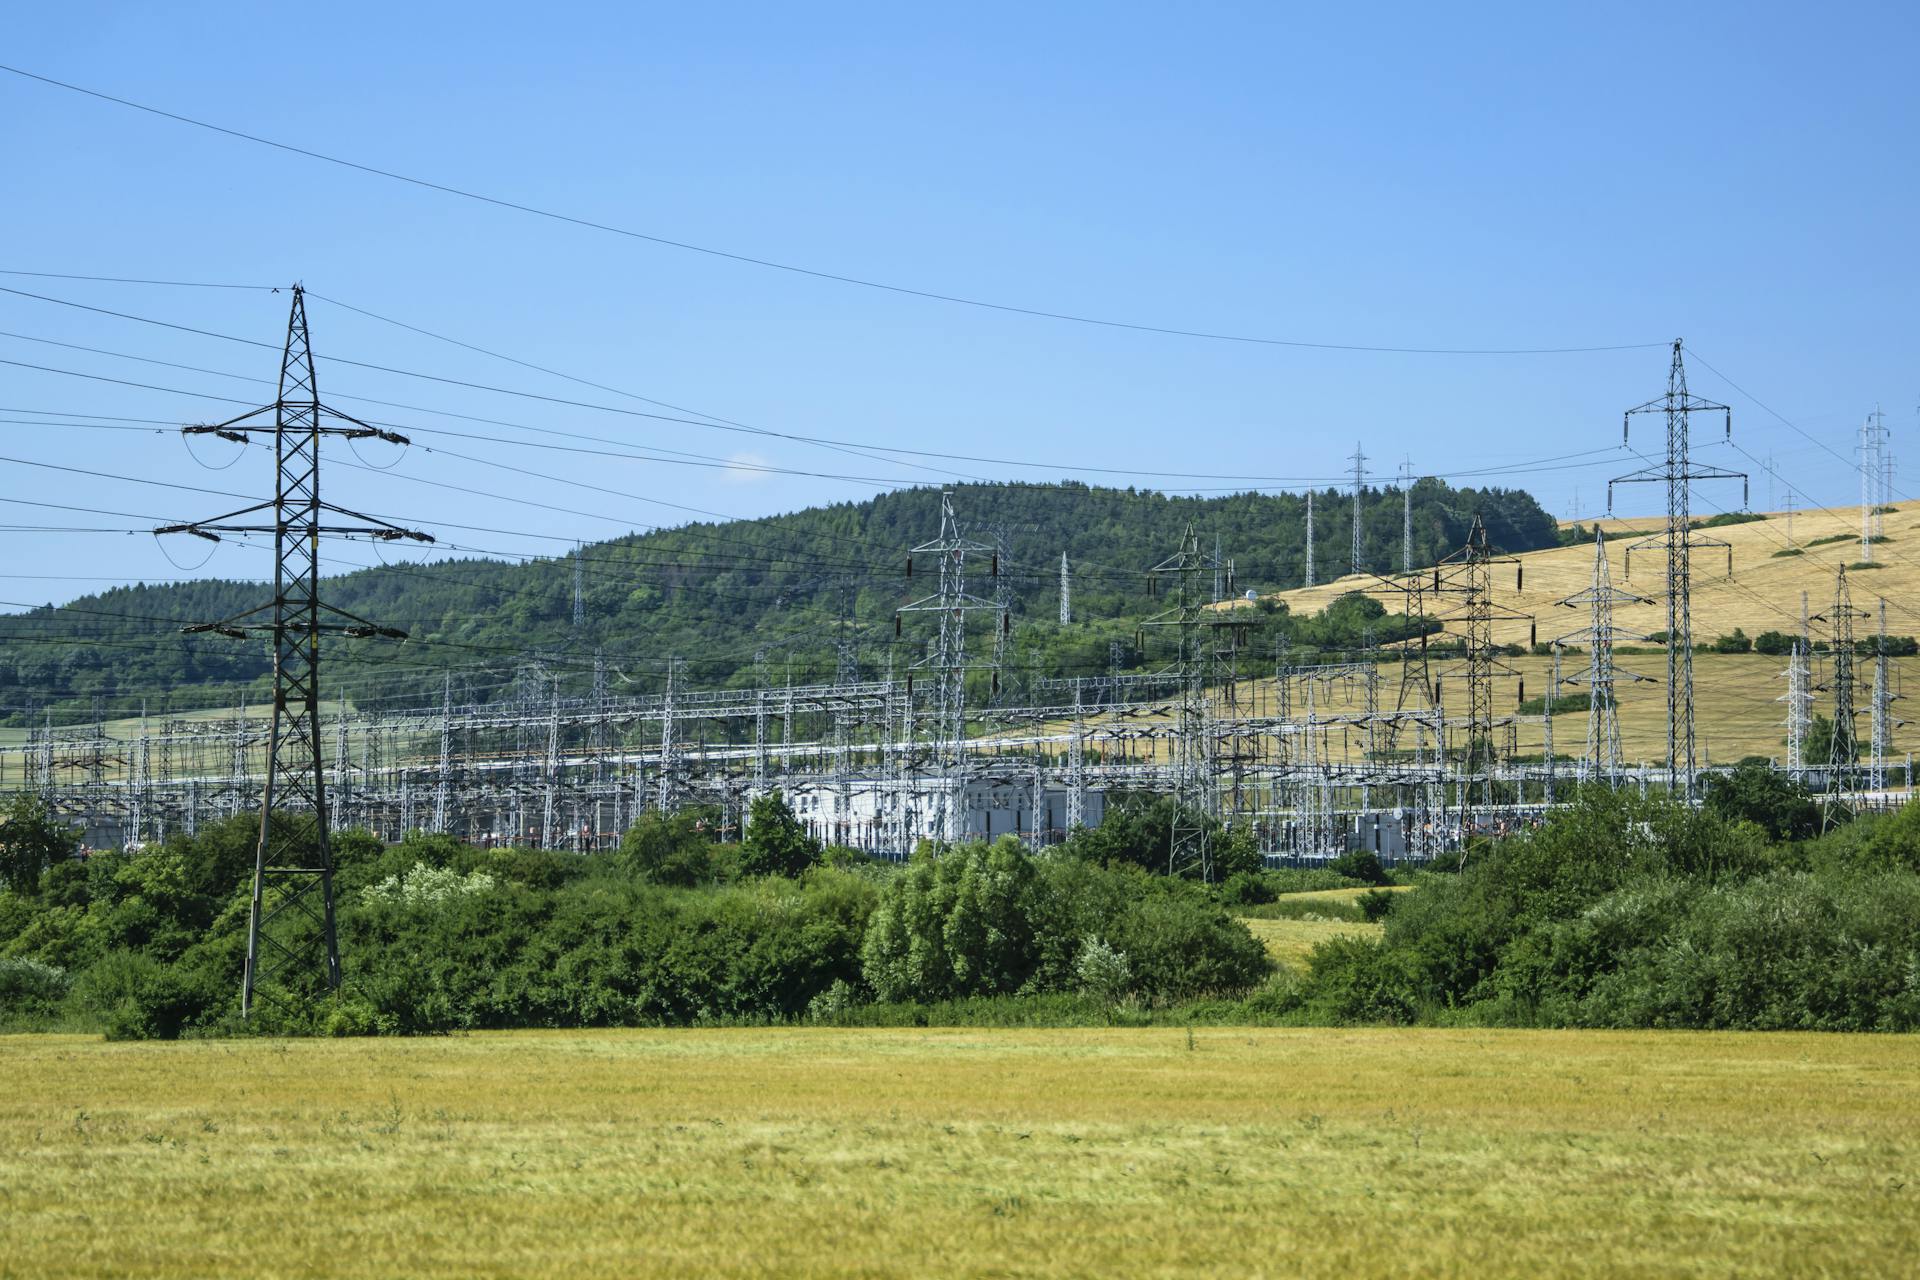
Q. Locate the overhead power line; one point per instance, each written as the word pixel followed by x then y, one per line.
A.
pixel 795 269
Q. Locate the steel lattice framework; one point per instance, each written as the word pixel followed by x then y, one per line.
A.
pixel 290 925
pixel 1678 472
pixel 1602 757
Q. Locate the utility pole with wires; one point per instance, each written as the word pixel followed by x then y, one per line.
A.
pixel 1359 461
pixel 1844 748
pixel 1678 472
pixel 291 933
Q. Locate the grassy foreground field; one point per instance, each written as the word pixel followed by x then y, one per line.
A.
pixel 935 1153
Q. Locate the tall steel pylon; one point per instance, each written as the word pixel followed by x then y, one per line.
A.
pixel 951 604
pixel 1880 726
pixel 290 926
pixel 1189 845
pixel 1678 472
pixel 1873 452
pixel 1468 575
pixel 668 793
pixel 1359 460
pixel 1602 757
pixel 1845 748
pixel 1066 593
pixel 1309 537
pixel 1406 516
pixel 1799 694
pixel 579 587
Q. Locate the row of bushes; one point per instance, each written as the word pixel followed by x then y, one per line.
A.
pixel 673 929
pixel 1638 912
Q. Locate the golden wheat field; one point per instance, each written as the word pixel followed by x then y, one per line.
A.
pixel 796 1152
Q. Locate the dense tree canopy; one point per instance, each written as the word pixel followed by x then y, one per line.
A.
pixel 716 594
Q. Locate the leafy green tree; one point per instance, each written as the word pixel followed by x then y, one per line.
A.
pixel 776 843
pixel 1362 865
pixel 672 849
pixel 1754 792
pixel 31 840
pixel 966 923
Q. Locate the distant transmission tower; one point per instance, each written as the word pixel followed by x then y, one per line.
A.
pixel 1872 448
pixel 1309 537
pixel 1880 726
pixel 1359 461
pixel 1603 709
pixel 1844 750
pixel 290 925
pixel 947 663
pixel 1468 573
pixel 579 587
pixel 1066 593
pixel 1799 695
pixel 1406 516
pixel 1190 841
pixel 1677 473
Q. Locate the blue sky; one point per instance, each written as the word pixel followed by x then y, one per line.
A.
pixel 1523 176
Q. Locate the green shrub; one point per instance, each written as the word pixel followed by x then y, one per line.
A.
pixel 776 844
pixel 1362 865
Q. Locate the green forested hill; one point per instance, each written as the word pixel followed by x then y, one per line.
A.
pixel 716 595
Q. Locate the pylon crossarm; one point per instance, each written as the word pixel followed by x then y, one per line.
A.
pixel 375 521
pixel 231 424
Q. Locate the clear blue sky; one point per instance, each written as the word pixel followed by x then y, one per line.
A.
pixel 1529 176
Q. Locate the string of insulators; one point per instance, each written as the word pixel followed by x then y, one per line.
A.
pixel 1520 577
pixel 896 626
pixel 909 566
pixel 1522 699
pixel 996 564
pixel 996 684
pixel 1533 633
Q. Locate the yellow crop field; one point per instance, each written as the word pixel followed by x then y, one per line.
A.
pixel 801 1152
pixel 1735 695
pixel 1290 942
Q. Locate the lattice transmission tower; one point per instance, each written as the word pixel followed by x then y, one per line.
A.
pixel 1359 460
pixel 946 661
pixel 1602 759
pixel 1190 842
pixel 1873 480
pixel 291 932
pixel 1406 516
pixel 1066 592
pixel 1799 694
pixel 1467 575
pixel 1678 472
pixel 1844 748
pixel 1309 537
pixel 1881 724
